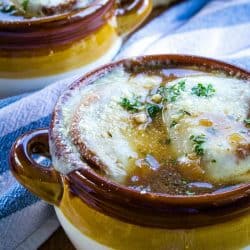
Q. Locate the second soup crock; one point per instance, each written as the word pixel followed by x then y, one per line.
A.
pixel 37 51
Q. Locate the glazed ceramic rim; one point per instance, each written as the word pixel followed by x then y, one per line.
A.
pixel 171 60
pixel 66 16
pixel 55 32
pixel 115 199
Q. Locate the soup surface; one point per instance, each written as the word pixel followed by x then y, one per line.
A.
pixel 174 131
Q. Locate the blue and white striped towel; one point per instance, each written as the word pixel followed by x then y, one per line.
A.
pixel 219 29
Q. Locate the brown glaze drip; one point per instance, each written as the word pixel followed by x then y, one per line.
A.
pixel 147 208
pixel 52 32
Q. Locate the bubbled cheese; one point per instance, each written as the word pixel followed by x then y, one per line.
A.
pixel 103 122
pixel 219 119
pixel 94 116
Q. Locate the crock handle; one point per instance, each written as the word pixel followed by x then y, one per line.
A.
pixel 44 182
pixel 131 13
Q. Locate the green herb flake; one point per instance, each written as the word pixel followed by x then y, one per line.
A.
pixel 173 123
pixel 171 93
pixel 198 142
pixel 202 90
pixel 247 121
pixel 185 112
pixel 153 110
pixel 133 104
pixel 25 4
pixel 213 161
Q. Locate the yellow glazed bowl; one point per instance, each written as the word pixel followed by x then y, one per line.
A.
pixel 97 213
pixel 36 52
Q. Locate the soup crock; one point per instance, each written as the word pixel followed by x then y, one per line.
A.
pixel 97 213
pixel 35 52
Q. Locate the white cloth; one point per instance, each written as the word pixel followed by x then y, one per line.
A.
pixel 218 29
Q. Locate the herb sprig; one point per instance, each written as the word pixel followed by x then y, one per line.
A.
pixel 171 93
pixel 202 90
pixel 198 141
pixel 153 110
pixel 134 104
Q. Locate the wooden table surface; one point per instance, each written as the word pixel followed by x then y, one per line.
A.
pixel 59 240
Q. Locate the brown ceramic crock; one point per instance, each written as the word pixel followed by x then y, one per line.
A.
pixel 35 52
pixel 112 216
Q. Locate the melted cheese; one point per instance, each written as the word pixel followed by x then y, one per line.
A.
pixel 103 124
pixel 220 118
pixel 103 121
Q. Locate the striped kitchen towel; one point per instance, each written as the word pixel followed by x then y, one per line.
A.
pixel 218 29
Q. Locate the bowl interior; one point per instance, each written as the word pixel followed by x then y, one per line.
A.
pixel 85 177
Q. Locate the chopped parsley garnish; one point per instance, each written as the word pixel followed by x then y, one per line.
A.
pixel 171 93
pixel 133 104
pixel 173 123
pixel 202 90
pixel 168 94
pixel 213 161
pixel 185 112
pixel 247 121
pixel 153 110
pixel 25 4
pixel 198 141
